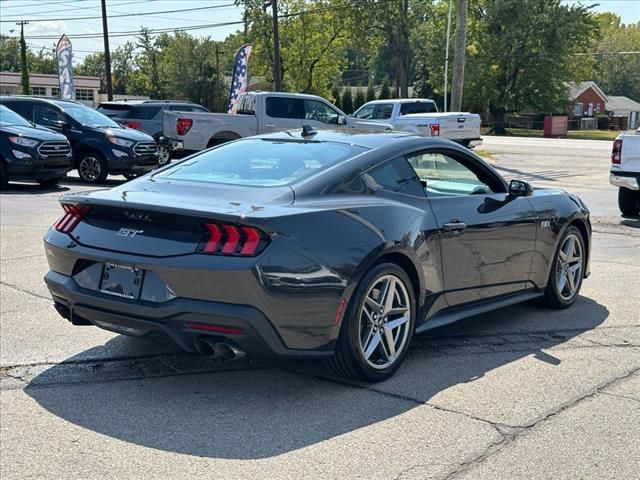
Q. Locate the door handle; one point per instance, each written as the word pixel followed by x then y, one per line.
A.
pixel 270 125
pixel 454 226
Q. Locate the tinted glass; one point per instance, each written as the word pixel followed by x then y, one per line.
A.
pixel 396 176
pixel 46 115
pixel 365 112
pixel 417 107
pixel 144 112
pixel 281 107
pixel 446 176
pixel 115 111
pixel 88 116
pixel 9 117
pixel 262 162
pixel 24 109
pixel 383 111
pixel 315 110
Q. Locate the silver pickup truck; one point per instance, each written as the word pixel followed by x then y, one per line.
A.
pixel 258 112
pixel 625 171
pixel 421 116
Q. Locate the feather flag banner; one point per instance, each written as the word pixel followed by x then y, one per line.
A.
pixel 240 77
pixel 65 70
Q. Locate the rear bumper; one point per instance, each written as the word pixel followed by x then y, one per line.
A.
pixel 625 180
pixel 172 318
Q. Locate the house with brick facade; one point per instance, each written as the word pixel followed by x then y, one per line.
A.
pixel 586 100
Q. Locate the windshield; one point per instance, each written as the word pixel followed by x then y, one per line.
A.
pixel 89 117
pixel 262 162
pixel 9 117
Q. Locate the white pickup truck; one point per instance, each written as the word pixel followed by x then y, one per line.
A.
pixel 421 116
pixel 258 112
pixel 625 171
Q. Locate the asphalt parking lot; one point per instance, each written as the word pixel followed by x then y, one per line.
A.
pixel 520 393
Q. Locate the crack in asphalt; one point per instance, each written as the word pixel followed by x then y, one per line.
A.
pixel 26 291
pixel 518 432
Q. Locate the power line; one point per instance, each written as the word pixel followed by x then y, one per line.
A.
pixel 138 14
pixel 87 7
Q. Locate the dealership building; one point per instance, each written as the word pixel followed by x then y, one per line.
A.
pixel 87 88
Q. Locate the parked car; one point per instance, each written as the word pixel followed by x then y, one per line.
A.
pixel 30 153
pixel 421 116
pixel 258 112
pixel 302 244
pixel 146 116
pixel 625 171
pixel 100 146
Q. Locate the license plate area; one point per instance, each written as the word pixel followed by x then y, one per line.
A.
pixel 121 280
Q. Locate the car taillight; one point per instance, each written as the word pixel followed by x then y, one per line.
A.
pixel 616 153
pixel 183 125
pixel 72 216
pixel 133 124
pixel 232 240
pixel 435 130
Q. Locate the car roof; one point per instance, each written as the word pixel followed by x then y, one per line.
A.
pixel 139 103
pixel 285 94
pixel 364 138
pixel 402 100
pixel 51 100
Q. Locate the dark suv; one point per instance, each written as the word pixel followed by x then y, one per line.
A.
pixel 146 116
pixel 100 145
pixel 30 153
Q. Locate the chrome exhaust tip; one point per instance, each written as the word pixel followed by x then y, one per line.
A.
pixel 228 351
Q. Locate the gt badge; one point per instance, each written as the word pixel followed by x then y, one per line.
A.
pixel 128 232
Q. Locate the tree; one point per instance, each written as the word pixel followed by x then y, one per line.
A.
pixel 359 100
pixel 43 61
pixel 93 66
pixel 347 101
pixel 371 92
pixel 122 67
pixel 147 79
pixel 385 91
pixel 335 95
pixel 24 65
pixel 616 74
pixel 9 54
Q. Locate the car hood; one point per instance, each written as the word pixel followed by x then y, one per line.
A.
pixel 42 134
pixel 127 133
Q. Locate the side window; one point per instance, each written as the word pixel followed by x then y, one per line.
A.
pixel 46 115
pixel 24 109
pixel 444 176
pixel 315 110
pixel 365 112
pixel 283 107
pixel 144 113
pixel 383 111
pixel 396 176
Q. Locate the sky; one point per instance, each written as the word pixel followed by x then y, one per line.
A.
pixel 52 18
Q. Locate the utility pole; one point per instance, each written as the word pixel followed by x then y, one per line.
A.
pixel 24 77
pixel 107 54
pixel 446 58
pixel 459 57
pixel 277 69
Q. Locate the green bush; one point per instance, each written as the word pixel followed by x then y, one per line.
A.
pixel 603 122
pixel 347 101
pixel 359 100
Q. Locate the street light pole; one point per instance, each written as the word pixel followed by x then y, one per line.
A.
pixel 107 54
pixel 277 69
pixel 446 58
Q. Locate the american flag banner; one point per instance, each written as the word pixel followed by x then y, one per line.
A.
pixel 65 69
pixel 240 77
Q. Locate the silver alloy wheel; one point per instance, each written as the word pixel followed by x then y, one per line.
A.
pixel 164 156
pixel 569 267
pixel 90 168
pixel 384 321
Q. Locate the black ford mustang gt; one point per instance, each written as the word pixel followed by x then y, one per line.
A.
pixel 334 245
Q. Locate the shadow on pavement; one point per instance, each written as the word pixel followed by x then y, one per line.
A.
pixel 24 188
pixel 263 412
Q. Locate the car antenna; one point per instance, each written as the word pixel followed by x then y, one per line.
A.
pixel 307 131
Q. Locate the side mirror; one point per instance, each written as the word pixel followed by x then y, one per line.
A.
pixel 519 188
pixel 342 120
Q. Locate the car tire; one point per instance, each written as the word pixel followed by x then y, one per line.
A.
pixel 367 337
pixel 164 156
pixel 628 201
pixel 567 270
pixel 4 177
pixel 49 182
pixel 92 167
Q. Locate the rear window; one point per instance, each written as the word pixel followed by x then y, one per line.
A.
pixel 417 107
pixel 262 162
